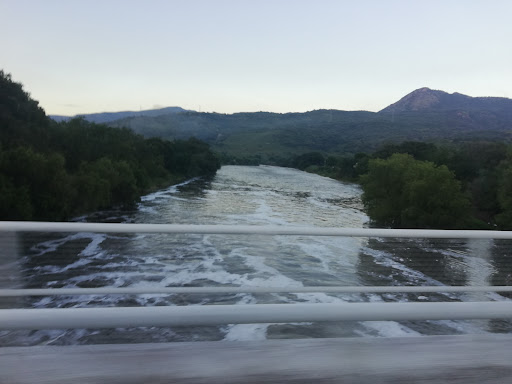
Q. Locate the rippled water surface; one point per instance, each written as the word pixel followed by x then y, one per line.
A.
pixel 249 196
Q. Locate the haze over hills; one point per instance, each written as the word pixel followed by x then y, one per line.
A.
pixel 424 114
pixel 105 117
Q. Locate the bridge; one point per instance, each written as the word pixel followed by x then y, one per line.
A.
pixel 427 359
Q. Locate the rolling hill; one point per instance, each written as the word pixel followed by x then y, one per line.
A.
pixel 105 117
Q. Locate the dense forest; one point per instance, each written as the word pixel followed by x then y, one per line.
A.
pixel 424 185
pixel 53 171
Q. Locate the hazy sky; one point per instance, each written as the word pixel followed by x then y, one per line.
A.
pixel 234 55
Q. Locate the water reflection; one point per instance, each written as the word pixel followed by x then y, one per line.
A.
pixel 414 261
pixel 10 275
pixel 478 264
pixel 501 255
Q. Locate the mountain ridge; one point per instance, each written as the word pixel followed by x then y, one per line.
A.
pixel 105 117
pixel 421 99
pixel 422 115
pixel 426 99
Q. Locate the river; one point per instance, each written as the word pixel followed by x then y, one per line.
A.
pixel 250 196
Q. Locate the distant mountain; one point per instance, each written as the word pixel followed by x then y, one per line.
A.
pixel 105 117
pixel 427 100
pixel 262 134
pixel 423 115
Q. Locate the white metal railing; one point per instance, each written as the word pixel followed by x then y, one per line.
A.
pixel 260 313
pixel 50 318
pixel 6 226
pixel 234 290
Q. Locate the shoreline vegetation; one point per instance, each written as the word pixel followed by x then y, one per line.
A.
pixel 55 171
pixel 424 185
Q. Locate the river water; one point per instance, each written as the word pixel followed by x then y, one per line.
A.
pixel 248 196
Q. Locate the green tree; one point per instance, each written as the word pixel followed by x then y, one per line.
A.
pixel 417 149
pixel 37 183
pixel 15 201
pixel 402 192
pixel 308 159
pixel 112 182
pixel 504 194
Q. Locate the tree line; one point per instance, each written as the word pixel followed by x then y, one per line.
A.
pixel 52 171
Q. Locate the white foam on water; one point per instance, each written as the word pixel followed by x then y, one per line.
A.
pixel 245 332
pixel 451 252
pixel 384 328
pixel 388 260
pixel 342 251
pixel 82 218
pixel 93 247
pixel 52 245
pixel 207 269
pixel 388 329
pixel 147 210
pixel 53 269
pixel 321 253
pixel 176 198
pixel 265 275
pixel 165 193
pixel 319 297
pixel 461 326
pixel 464 257
pixel 43 302
pixel 497 297
pixel 86 255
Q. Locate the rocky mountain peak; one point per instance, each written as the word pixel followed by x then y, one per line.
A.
pixel 418 100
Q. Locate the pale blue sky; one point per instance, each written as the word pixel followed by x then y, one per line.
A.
pixel 235 55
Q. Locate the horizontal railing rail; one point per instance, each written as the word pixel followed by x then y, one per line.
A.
pixel 194 315
pixel 26 226
pixel 234 290
pixel 199 315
